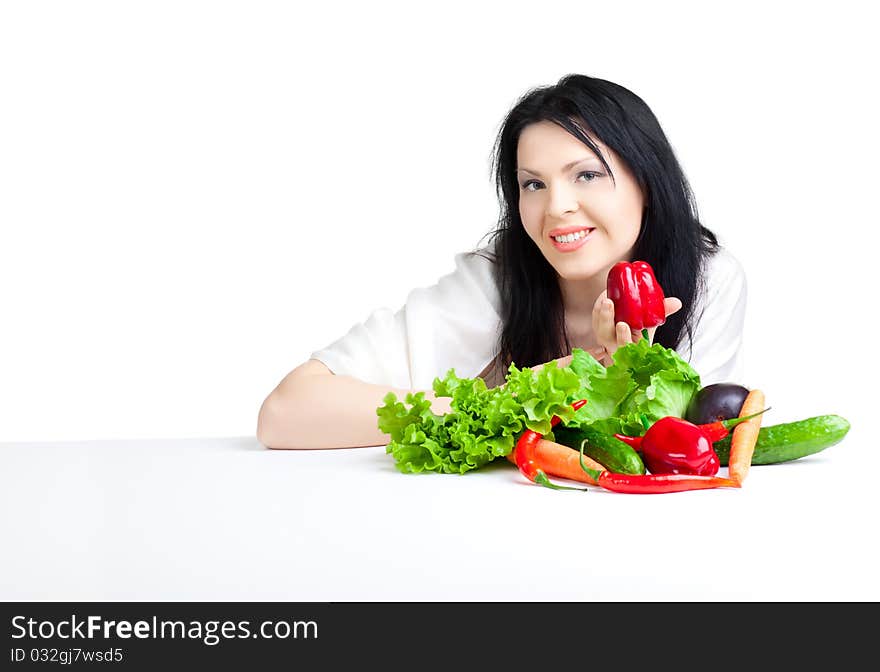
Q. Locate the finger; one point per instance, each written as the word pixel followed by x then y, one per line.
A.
pixel 624 334
pixel 597 305
pixel 597 352
pixel 608 316
pixel 603 322
pixel 602 306
pixel 672 305
pixel 605 358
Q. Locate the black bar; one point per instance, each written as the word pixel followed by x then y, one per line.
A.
pixel 290 635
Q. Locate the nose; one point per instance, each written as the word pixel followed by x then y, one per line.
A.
pixel 560 201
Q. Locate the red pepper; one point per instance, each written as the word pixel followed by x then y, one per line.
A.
pixel 715 431
pixel 634 442
pixel 675 446
pixel 637 296
pixel 525 453
pixel 646 484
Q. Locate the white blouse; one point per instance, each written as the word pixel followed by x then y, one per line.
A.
pixel 455 324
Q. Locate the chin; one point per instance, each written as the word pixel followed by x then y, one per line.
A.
pixel 579 269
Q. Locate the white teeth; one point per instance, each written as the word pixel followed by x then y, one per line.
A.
pixel 570 237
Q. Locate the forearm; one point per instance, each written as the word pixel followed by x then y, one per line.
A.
pixel 328 411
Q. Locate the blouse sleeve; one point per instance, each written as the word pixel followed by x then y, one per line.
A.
pixel 452 324
pixel 717 349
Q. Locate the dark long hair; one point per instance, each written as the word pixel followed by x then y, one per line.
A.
pixel 671 237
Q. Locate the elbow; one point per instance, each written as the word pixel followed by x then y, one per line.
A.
pixel 282 422
pixel 283 414
pixel 267 424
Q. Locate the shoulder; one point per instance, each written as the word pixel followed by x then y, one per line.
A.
pixel 472 280
pixel 721 290
pixel 715 348
pixel 478 263
pixel 723 276
pixel 724 265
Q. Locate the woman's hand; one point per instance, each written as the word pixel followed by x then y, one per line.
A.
pixel 611 335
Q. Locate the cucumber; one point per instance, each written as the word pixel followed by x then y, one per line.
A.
pixel 791 440
pixel 606 449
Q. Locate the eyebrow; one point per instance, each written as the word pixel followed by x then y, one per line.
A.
pixel 567 166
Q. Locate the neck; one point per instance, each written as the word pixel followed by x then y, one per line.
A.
pixel 578 298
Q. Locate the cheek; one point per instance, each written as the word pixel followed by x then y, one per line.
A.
pixel 623 220
pixel 531 220
pixel 626 229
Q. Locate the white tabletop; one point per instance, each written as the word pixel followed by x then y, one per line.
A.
pixel 227 519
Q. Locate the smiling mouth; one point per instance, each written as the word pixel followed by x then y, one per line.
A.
pixel 572 237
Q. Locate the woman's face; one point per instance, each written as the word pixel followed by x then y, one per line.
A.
pixel 582 222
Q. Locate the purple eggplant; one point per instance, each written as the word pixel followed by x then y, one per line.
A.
pixel 720 401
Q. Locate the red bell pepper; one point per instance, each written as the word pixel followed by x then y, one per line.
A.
pixel 636 294
pixel 675 446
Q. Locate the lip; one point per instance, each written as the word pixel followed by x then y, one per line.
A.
pixel 572 246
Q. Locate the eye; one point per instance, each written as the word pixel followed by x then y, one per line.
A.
pixel 588 174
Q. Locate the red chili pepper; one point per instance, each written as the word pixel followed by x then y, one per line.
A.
pixel 715 431
pixel 646 484
pixel 634 442
pixel 525 453
pixel 637 296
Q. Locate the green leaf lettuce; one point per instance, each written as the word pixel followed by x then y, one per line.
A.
pixel 484 423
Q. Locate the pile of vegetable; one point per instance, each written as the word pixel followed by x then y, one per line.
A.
pixel 644 424
pixel 485 423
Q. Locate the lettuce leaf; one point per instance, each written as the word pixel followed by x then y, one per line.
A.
pixel 644 379
pixel 484 423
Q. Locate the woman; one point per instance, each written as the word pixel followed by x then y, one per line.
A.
pixel 586 178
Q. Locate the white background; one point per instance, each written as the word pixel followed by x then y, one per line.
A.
pixel 196 195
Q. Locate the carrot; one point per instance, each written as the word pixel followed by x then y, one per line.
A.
pixel 554 459
pixel 744 437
